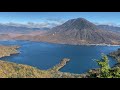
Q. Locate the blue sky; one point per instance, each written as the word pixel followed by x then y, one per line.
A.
pixel 59 17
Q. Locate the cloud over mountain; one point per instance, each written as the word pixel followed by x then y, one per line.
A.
pixel 107 23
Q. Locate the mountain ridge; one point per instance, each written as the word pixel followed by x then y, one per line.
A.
pixel 75 31
pixel 83 31
pixel 115 29
pixel 18 29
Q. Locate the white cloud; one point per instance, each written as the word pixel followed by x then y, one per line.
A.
pixel 56 20
pixel 33 25
pixel 107 23
pixel 46 22
pixel 37 25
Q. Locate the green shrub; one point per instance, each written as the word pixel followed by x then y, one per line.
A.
pixel 105 70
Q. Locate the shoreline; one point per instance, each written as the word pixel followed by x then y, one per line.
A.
pixel 6 50
pixel 102 45
pixel 60 65
pixel 66 43
pixel 77 44
pixel 74 44
pixel 57 67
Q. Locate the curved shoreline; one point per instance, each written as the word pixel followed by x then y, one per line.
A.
pixel 55 68
pixel 70 44
pixel 8 50
pixel 75 44
pixel 18 68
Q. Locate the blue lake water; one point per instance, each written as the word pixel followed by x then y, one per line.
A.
pixel 46 55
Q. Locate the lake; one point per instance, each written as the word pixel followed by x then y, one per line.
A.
pixel 45 55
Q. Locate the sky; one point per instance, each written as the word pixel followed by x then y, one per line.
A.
pixel 56 18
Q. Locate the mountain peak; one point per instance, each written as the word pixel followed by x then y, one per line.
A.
pixel 80 31
pixel 78 20
pixel 79 24
pixel 81 19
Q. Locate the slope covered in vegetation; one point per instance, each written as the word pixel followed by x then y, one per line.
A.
pixel 12 70
pixel 105 71
pixel 8 50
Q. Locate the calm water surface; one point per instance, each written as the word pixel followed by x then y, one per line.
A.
pixel 46 55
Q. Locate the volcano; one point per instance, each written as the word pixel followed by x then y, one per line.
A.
pixel 79 31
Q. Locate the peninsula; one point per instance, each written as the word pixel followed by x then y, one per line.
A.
pixel 13 70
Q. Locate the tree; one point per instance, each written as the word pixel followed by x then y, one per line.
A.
pixel 104 67
pixel 105 70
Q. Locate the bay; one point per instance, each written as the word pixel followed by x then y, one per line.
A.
pixel 45 55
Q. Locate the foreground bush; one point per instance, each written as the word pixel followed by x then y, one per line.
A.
pixel 105 71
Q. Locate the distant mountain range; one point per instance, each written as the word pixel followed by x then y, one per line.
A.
pixel 17 29
pixel 109 28
pixel 74 31
pixel 79 31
